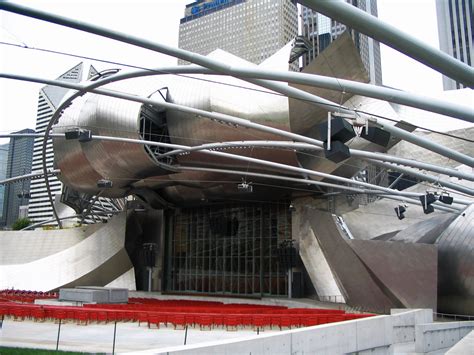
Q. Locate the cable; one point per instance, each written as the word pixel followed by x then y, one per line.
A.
pixel 222 83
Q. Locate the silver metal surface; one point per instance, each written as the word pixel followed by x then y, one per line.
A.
pixel 97 259
pixel 456 265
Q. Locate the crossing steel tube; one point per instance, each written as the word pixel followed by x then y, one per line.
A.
pixel 223 117
pixel 373 27
pixel 198 59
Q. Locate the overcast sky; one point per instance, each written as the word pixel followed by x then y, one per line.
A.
pixel 157 20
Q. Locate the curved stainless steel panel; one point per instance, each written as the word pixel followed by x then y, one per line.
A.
pixel 82 164
pixel 456 265
pixel 97 258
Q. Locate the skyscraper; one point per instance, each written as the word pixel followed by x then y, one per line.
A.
pixel 456 33
pixel 3 175
pixel 20 152
pixel 250 29
pixel 320 31
pixel 39 208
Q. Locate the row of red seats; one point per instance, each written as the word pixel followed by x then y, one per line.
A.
pixel 217 309
pixel 25 296
pixel 86 315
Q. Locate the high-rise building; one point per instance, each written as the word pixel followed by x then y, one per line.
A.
pixel 320 31
pixel 20 152
pixel 456 33
pixel 39 208
pixel 250 29
pixel 3 175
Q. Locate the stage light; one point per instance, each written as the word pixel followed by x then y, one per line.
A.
pixel 446 199
pixel 400 210
pixel 341 130
pixel 376 135
pixel 426 201
pixel 339 151
pixel 244 187
pixel 72 134
pixel 83 135
pixel 104 184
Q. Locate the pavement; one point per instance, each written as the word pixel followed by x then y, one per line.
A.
pixel 95 338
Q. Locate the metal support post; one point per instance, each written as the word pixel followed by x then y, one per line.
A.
pixel 59 332
pixel 115 333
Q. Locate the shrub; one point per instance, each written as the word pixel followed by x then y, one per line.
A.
pixel 21 223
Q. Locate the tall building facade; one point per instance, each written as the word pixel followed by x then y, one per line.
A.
pixel 456 33
pixel 20 153
pixel 250 29
pixel 320 31
pixel 3 175
pixel 50 97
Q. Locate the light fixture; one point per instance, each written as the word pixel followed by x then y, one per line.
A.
pixel 445 198
pixel 340 130
pixel 400 210
pixel 104 184
pixel 83 135
pixel 426 201
pixel 334 133
pixel 376 135
pixel 244 187
pixel 338 152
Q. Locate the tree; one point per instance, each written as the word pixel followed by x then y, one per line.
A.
pixel 20 224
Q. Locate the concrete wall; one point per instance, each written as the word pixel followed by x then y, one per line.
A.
pixel 464 346
pixel 436 336
pixel 370 335
pixel 404 323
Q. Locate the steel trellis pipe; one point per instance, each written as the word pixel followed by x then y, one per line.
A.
pixel 391 36
pixel 365 155
pixel 210 147
pixel 406 199
pixel 450 153
pixel 209 63
pixel 270 164
pixel 187 109
pixel 377 189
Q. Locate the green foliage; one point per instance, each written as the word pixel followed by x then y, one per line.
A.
pixel 20 224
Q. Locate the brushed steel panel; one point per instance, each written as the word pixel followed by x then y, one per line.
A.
pixel 456 265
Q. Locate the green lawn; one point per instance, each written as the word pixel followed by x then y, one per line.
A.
pixel 25 351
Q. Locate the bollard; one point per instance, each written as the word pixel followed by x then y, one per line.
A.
pixel 185 334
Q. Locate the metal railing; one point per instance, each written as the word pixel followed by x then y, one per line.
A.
pixel 446 317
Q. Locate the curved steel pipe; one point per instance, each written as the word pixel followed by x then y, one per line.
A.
pixel 246 123
pixel 200 112
pixel 318 183
pixel 212 64
pixel 272 164
pixel 409 99
pixel 365 155
pixel 374 158
pixel 391 36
